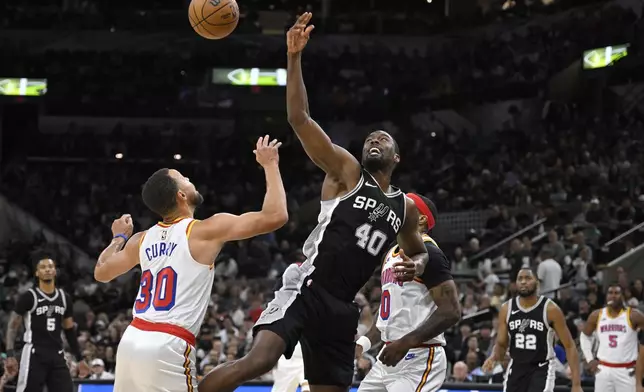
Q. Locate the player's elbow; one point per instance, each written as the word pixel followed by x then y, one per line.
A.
pixel 297 118
pixel 274 221
pixel 101 276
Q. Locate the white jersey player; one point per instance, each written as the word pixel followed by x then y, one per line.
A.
pixel 289 373
pixel 615 328
pixel 157 350
pixel 411 320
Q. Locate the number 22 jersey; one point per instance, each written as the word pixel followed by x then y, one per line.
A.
pixel 175 288
pixel 531 336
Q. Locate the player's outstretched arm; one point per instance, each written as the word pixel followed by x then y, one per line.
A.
pixel 228 227
pixel 334 160
pixel 412 245
pixel 115 260
pixel 502 341
pixel 558 321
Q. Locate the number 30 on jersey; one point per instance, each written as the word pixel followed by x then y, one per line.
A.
pixel 159 291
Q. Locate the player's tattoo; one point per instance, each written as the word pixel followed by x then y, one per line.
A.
pixel 15 321
pixel 447 314
pixel 115 246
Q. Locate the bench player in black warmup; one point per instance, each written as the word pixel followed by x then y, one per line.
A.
pixel 527 325
pixel 361 213
pixel 47 312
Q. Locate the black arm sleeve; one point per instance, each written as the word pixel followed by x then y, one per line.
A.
pixel 69 309
pixel 438 269
pixel 72 340
pixel 24 303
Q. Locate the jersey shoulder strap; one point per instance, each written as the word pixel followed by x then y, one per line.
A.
pixel 427 238
pixel 63 297
pixel 35 295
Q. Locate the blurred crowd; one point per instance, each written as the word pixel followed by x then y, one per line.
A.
pixel 570 177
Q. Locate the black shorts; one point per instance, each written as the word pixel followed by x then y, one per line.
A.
pixel 325 326
pixel 43 366
pixel 530 377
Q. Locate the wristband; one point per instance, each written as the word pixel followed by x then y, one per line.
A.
pixel 121 236
pixel 364 342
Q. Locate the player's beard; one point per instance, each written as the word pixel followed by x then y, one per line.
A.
pixel 196 200
pixel 374 164
pixel 47 280
pixel 529 292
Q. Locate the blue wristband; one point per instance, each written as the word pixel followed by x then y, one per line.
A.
pixel 121 236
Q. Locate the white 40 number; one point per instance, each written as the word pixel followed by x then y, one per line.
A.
pixel 372 242
pixel 527 342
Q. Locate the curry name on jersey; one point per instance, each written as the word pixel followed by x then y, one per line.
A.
pixel 531 336
pixel 618 342
pixel 352 235
pixel 175 288
pixel 404 305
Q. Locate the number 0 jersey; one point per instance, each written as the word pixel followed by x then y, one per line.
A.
pixel 618 342
pixel 531 336
pixel 175 289
pixel 351 237
pixel 404 306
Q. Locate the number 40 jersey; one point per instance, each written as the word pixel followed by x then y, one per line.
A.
pixel 531 336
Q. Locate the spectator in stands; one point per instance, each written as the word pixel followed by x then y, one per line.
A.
pixel 555 246
pixel 469 305
pixel 460 373
pixel 98 371
pixel 549 273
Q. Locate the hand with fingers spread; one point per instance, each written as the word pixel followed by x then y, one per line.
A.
pixel 298 35
pixel 406 269
pixel 266 152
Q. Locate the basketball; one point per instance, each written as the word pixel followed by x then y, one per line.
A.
pixel 213 19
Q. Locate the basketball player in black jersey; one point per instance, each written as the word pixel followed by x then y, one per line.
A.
pixel 527 325
pixel 47 313
pixel 361 213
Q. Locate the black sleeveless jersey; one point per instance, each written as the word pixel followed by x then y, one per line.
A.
pixel 531 336
pixel 43 316
pixel 352 236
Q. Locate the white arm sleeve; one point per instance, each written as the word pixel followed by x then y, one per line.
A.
pixel 586 343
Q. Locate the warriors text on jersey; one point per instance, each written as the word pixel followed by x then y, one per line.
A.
pixel 351 237
pixel 175 289
pixel 531 336
pixel 43 316
pixel 618 341
pixel 405 306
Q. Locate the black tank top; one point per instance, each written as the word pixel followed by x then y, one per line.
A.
pixel 44 321
pixel 531 336
pixel 352 236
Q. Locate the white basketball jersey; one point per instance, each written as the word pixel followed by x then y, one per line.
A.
pixel 403 306
pixel 175 289
pixel 617 339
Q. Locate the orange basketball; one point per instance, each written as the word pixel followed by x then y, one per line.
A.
pixel 213 19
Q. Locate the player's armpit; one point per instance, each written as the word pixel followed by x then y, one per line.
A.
pixel 228 227
pixel 114 262
pixel 410 240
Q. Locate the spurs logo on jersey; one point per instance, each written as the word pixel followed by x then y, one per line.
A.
pixel 531 336
pixel 175 289
pixel 618 341
pixel 403 306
